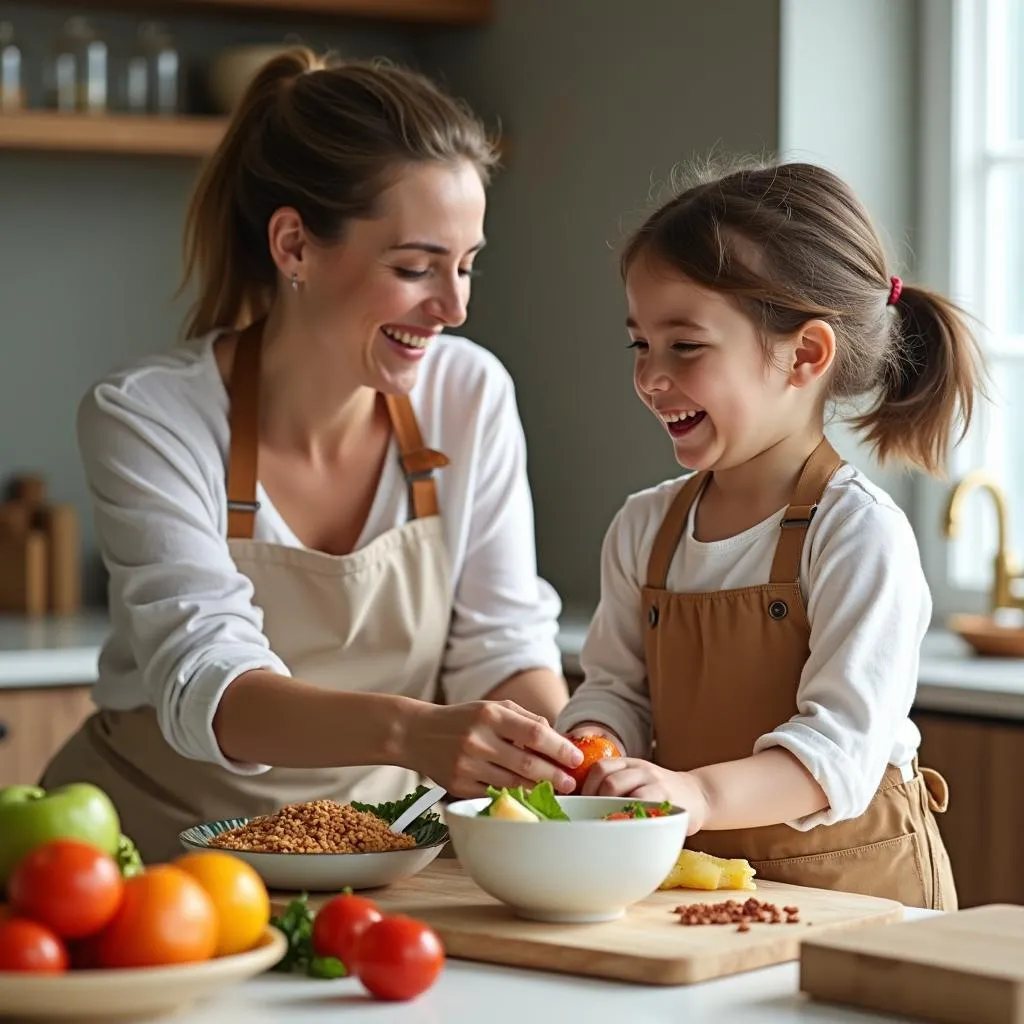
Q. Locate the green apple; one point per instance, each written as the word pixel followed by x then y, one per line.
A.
pixel 30 816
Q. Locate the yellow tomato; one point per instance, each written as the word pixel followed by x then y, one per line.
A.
pixel 238 893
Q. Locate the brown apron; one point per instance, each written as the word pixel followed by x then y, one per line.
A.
pixel 723 670
pixel 374 621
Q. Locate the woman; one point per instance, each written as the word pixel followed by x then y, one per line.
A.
pixel 315 513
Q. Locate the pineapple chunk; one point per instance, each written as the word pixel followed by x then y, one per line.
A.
pixel 696 870
pixel 509 808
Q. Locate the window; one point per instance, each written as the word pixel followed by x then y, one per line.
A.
pixel 972 247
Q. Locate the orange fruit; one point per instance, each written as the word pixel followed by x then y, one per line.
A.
pixel 165 917
pixel 595 748
pixel 238 894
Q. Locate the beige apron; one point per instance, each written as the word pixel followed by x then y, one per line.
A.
pixel 724 668
pixel 374 621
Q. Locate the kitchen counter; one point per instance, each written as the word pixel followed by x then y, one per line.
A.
pixel 468 993
pixel 62 652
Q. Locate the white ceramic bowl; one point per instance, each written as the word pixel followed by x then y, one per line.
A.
pixel 318 872
pixel 576 871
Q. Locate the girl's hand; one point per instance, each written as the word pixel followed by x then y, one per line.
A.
pixel 635 779
pixel 468 747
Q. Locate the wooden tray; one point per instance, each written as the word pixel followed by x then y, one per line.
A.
pixel 953 968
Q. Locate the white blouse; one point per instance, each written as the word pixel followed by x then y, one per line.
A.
pixel 869 607
pixel 154 440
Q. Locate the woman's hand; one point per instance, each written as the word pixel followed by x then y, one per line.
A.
pixel 468 747
pixel 635 779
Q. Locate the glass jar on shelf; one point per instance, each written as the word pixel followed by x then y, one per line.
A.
pixel 152 79
pixel 77 76
pixel 12 72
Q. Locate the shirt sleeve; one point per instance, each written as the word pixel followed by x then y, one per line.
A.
pixel 869 607
pixel 159 518
pixel 614 691
pixel 504 616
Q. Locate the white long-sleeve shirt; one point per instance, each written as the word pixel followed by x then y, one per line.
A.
pixel 154 439
pixel 868 603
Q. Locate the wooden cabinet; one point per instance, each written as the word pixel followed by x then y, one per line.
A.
pixel 34 723
pixel 982 760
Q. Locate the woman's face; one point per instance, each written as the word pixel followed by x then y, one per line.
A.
pixel 373 302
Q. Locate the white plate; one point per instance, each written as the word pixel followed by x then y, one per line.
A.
pixel 131 992
pixel 318 872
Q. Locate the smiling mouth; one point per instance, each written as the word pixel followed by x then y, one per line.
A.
pixel 680 424
pixel 407 338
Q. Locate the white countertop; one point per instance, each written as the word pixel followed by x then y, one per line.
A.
pixel 64 651
pixel 472 993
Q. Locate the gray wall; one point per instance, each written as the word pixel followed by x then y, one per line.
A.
pixel 599 98
pixel 849 102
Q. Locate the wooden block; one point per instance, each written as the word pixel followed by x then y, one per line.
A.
pixel 23 574
pixel 65 583
pixel 952 968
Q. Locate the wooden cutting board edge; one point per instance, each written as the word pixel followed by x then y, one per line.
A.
pixel 617 965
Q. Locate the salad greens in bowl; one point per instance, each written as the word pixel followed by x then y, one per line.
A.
pixel 566 859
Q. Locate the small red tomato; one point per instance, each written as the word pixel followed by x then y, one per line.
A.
pixel 398 958
pixel 69 885
pixel 29 946
pixel 595 748
pixel 340 922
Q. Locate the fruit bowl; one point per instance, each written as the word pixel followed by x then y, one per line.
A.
pixel 577 871
pixel 131 993
pixel 318 872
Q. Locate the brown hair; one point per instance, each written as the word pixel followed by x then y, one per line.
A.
pixel 326 139
pixel 791 242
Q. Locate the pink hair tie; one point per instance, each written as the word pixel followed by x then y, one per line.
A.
pixel 895 291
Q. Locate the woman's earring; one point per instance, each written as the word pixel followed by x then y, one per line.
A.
pixel 295 281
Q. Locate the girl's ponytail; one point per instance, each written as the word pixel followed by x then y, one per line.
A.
pixel 929 383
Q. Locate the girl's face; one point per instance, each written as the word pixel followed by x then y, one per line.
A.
pixel 701 368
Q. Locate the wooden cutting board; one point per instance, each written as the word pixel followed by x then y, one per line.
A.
pixel 954 968
pixel 648 945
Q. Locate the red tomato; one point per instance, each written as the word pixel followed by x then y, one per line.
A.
pixel 340 922
pixel 68 885
pixel 29 946
pixel 398 958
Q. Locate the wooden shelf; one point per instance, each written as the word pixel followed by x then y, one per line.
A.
pixel 438 12
pixel 46 131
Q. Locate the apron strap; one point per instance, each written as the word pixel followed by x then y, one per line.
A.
pixel 671 530
pixel 818 470
pixel 244 424
pixel 418 461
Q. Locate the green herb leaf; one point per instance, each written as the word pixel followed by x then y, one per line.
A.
pixel 326 967
pixel 427 829
pixel 296 923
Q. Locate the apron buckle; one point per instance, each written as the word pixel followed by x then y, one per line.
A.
pixel 798 515
pixel 243 506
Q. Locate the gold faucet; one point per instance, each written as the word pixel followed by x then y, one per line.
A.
pixel 1005 564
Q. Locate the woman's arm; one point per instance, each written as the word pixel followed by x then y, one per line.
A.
pixel 267 718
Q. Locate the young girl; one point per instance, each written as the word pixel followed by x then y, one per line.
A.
pixel 755 651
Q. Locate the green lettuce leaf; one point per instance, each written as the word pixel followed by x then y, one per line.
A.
pixel 427 829
pixel 541 800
